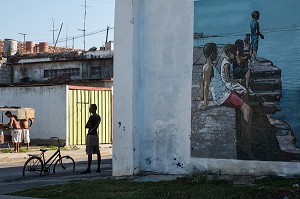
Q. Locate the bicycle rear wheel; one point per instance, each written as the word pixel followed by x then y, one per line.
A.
pixel 65 164
pixel 33 166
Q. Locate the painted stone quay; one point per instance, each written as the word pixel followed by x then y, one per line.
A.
pixel 216 131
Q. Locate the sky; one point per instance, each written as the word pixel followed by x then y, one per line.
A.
pixel 35 19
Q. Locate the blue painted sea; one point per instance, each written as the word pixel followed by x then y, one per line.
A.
pixel 281 44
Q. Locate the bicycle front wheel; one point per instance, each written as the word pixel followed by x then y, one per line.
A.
pixel 65 164
pixel 33 166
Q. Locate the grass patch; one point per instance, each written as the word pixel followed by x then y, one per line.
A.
pixel 54 148
pixel 6 151
pixel 195 186
pixel 21 150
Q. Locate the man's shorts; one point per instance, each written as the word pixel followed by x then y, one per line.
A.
pixel 254 44
pixel 92 144
pixel 25 136
pixel 234 101
pixel 16 135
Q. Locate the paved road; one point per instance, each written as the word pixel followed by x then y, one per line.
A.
pixel 11 179
pixel 11 170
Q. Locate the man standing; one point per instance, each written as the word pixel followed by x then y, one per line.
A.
pixel 25 130
pixel 16 132
pixel 92 139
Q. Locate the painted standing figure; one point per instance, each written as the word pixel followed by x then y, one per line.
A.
pixel 255 34
pixel 224 97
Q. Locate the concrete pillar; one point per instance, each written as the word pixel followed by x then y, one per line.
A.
pixel 152 86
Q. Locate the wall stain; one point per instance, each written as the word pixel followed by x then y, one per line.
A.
pixel 179 165
pixel 119 123
pixel 148 161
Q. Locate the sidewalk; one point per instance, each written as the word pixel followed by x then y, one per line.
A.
pixel 14 159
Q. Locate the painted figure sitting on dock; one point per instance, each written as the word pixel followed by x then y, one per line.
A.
pixel 240 65
pixel 255 34
pixel 223 96
pixel 227 72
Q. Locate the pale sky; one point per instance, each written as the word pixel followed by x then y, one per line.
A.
pixel 34 18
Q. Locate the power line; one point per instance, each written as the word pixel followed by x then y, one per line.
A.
pixel 80 36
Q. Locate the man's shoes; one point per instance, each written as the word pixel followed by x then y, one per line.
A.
pixel 85 172
pixel 98 170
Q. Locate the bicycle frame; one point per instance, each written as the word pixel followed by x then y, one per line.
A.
pixel 55 156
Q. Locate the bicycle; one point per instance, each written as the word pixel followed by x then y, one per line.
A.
pixel 36 164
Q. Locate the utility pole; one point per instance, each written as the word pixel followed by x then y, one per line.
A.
pixel 24 36
pixel 84 30
pixel 107 34
pixel 84 25
pixel 67 37
pixel 58 35
pixel 53 30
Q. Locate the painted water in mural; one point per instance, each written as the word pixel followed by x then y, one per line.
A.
pixel 275 131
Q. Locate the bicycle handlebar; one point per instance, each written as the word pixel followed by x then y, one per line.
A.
pixel 57 140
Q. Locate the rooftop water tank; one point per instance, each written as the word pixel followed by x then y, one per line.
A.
pixel 29 46
pixel 10 47
pixel 43 47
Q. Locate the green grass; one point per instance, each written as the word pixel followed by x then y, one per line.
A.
pixel 6 151
pixel 24 150
pixel 195 186
pixel 21 150
pixel 53 147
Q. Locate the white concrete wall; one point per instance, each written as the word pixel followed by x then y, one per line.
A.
pixel 35 71
pixel 152 94
pixel 123 91
pixel 152 86
pixel 50 104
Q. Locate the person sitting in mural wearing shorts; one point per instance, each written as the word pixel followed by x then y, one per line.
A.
pixel 227 73
pixel 224 97
pixel 240 65
pixel 25 125
pixel 92 139
pixel 16 132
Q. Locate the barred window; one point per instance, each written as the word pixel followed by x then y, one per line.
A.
pixel 59 72
pixel 96 70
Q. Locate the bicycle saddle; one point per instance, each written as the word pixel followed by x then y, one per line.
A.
pixel 43 150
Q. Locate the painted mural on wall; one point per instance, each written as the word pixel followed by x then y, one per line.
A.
pixel 245 87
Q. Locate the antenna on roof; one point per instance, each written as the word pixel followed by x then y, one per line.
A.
pixel 53 30
pixel 58 34
pixel 84 30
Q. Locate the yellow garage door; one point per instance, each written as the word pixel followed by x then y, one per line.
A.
pixel 79 100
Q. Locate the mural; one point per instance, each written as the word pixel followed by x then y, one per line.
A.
pixel 245 87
